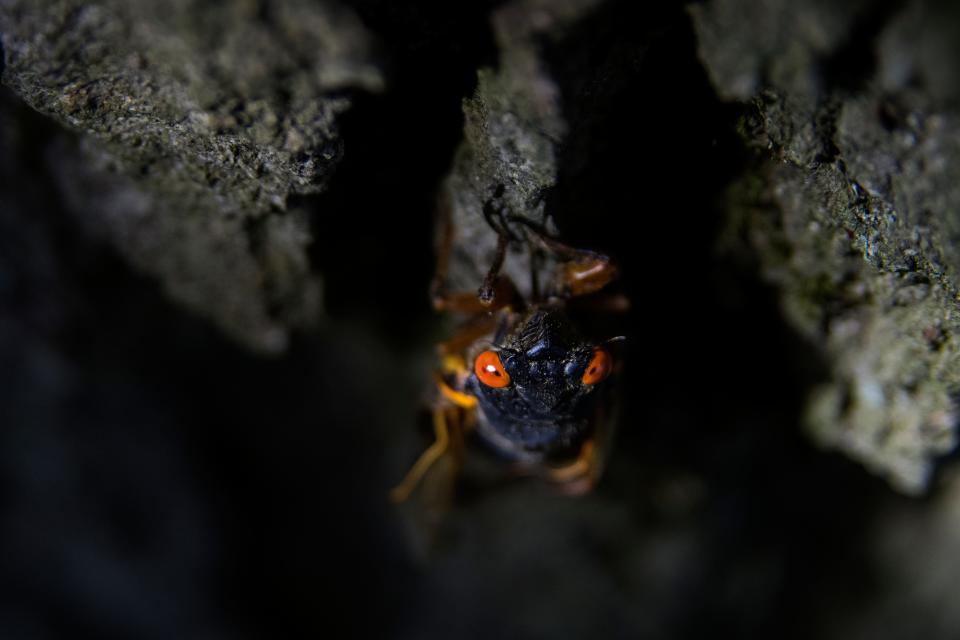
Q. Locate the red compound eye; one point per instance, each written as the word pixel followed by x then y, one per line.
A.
pixel 599 368
pixel 490 370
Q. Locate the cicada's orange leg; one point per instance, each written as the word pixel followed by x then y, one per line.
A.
pixel 502 294
pixel 452 417
pixel 580 476
pixel 581 272
pixel 496 291
pixel 441 446
pixel 573 478
pixel 579 467
pixel 458 398
pixel 587 273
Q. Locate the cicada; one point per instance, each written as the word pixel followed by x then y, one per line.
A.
pixel 519 378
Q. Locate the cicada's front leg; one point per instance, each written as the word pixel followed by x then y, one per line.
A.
pixel 496 291
pixel 448 443
pixel 580 476
pixel 453 417
pixel 580 272
pixel 500 294
pixel 586 273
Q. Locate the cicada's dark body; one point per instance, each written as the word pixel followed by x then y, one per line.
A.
pixel 538 391
pixel 519 375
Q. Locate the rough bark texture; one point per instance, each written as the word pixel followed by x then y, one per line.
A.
pixel 198 120
pixel 174 186
pixel 852 208
pixel 514 126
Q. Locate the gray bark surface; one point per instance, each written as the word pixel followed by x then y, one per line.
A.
pixel 852 209
pixel 196 122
